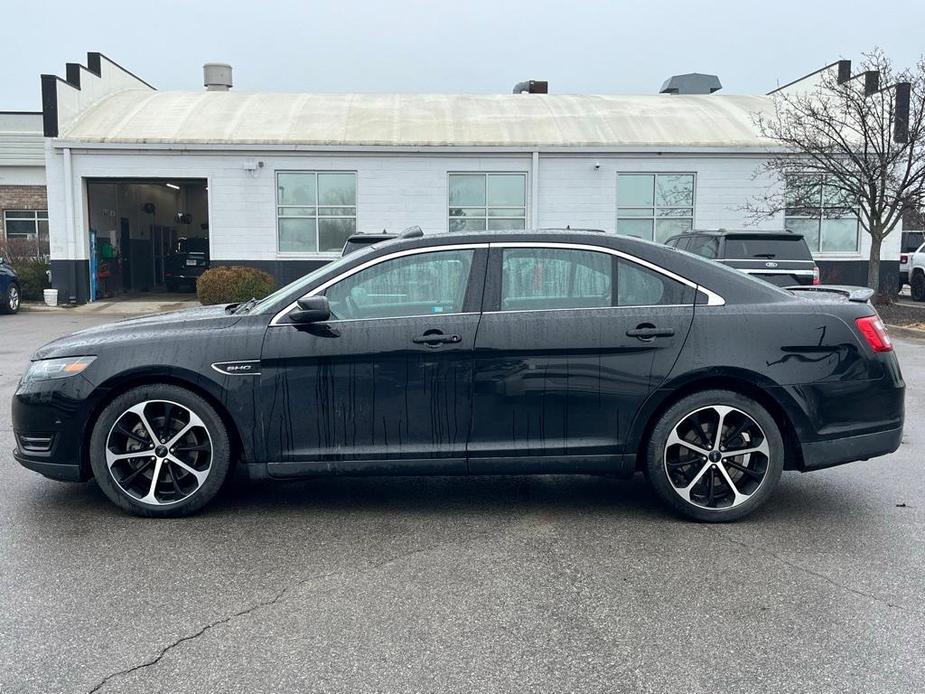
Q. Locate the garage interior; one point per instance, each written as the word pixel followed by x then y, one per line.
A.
pixel 136 225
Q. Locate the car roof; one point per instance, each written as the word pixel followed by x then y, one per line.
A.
pixel 756 233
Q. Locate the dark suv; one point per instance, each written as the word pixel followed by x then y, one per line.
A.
pixel 186 264
pixel 779 257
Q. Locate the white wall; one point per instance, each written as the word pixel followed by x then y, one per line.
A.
pixel 395 190
pixel 22 175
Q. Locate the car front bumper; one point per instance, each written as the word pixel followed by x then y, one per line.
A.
pixel 49 426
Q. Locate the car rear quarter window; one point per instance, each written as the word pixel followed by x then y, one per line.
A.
pixel 704 246
pixel 553 278
pixel 744 247
pixel 640 286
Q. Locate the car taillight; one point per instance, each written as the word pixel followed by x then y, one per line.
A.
pixel 903 259
pixel 873 330
pixel 817 276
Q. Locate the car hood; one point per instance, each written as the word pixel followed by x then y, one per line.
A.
pixel 160 326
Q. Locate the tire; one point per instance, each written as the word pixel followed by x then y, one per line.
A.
pixel 172 286
pixel 191 468
pixel 917 284
pixel 10 299
pixel 680 473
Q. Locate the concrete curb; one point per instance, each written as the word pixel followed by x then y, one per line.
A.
pixel 911 333
pixel 110 308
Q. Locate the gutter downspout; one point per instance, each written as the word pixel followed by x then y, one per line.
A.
pixel 69 222
pixel 535 190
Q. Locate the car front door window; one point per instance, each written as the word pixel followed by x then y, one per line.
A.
pixel 424 284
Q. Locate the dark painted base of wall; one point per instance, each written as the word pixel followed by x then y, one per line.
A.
pixel 854 272
pixel 72 280
pixel 283 271
pixel 72 277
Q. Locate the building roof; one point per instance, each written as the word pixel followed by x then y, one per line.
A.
pixel 140 116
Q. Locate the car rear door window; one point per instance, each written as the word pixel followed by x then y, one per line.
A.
pixel 554 278
pixel 415 285
pixel 640 286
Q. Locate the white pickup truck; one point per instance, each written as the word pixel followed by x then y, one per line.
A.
pixel 912 272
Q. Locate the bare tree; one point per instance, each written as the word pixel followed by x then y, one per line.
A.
pixel 849 146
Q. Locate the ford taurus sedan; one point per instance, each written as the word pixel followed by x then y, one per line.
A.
pixel 469 354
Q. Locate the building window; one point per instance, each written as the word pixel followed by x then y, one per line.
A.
pixel 655 206
pixel 480 201
pixel 828 222
pixel 316 210
pixel 25 224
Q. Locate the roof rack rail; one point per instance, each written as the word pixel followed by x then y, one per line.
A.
pixel 414 232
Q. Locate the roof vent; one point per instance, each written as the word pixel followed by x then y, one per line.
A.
pixel 532 87
pixel 216 77
pixel 691 83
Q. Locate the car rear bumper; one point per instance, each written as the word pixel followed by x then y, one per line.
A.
pixel 822 454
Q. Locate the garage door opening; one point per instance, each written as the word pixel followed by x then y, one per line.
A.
pixel 147 235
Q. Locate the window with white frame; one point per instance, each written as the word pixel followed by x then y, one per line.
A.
pixel 655 206
pixel 316 210
pixel 25 224
pixel 820 211
pixel 480 201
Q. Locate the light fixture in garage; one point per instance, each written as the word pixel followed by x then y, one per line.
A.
pixel 171 185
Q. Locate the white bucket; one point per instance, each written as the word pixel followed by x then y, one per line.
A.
pixel 51 297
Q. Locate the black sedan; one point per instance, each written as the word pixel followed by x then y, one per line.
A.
pixel 475 353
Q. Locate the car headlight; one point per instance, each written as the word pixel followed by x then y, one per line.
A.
pixel 46 369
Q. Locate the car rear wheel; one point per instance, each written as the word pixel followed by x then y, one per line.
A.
pixel 918 286
pixel 10 300
pixel 159 451
pixel 715 456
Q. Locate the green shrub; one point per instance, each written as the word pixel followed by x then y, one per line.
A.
pixel 33 278
pixel 232 284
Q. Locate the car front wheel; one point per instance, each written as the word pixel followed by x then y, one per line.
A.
pixel 160 450
pixel 715 456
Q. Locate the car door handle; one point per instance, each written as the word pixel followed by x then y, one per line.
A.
pixel 436 338
pixel 646 331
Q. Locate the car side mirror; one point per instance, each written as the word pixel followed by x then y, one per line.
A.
pixel 312 309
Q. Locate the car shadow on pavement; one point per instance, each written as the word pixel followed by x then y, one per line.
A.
pixel 457 497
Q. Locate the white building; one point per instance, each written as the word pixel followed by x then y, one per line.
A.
pixel 23 204
pixel 278 180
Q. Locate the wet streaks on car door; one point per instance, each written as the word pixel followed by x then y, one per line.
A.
pixel 361 394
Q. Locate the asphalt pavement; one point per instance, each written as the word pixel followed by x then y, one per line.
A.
pixel 484 584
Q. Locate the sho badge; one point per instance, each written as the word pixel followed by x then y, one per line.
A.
pixel 248 367
pixel 770 264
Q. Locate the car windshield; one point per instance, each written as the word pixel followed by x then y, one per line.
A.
pixel 747 247
pixel 300 286
pixel 193 246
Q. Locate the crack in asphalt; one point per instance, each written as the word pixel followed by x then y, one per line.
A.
pixel 808 572
pixel 278 597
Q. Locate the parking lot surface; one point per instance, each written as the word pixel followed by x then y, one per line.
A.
pixel 463 584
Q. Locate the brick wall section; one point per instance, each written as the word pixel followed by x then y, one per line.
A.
pixel 21 198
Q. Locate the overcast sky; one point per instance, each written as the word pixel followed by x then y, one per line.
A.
pixel 590 47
